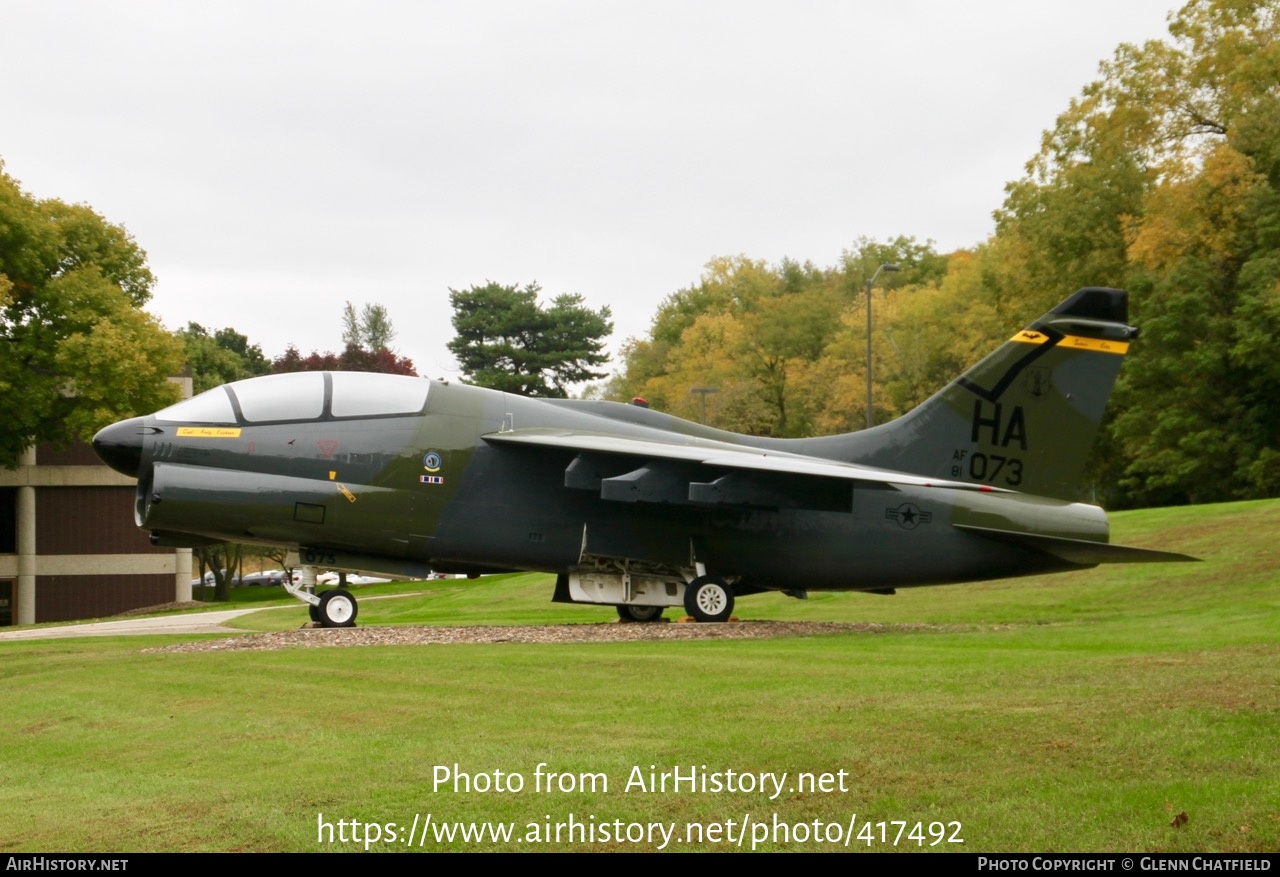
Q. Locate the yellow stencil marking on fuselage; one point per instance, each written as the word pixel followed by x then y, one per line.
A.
pixel 208 432
pixel 1075 342
pixel 351 497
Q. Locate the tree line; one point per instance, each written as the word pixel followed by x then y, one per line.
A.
pixel 1162 177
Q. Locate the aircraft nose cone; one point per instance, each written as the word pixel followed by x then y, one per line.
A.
pixel 120 446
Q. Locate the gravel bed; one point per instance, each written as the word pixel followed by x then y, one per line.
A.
pixel 415 635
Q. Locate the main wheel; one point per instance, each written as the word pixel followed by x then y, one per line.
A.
pixel 314 612
pixel 639 613
pixel 337 609
pixel 708 598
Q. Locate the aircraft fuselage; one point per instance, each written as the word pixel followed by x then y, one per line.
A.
pixel 639 509
pixel 428 488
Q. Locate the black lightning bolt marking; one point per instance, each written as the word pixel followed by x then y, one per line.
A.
pixel 1018 367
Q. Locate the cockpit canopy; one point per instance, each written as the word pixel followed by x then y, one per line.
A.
pixel 304 396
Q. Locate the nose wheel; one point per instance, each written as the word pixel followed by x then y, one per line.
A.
pixel 337 609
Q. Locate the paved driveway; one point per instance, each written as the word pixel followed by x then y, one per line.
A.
pixel 193 622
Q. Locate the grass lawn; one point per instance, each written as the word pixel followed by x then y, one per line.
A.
pixel 1077 712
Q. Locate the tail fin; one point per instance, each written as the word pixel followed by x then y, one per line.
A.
pixel 1026 416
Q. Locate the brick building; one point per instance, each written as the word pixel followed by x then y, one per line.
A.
pixel 69 548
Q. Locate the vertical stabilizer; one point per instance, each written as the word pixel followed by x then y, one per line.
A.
pixel 1026 416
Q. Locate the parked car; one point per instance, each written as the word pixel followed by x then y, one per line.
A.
pixel 331 578
pixel 259 579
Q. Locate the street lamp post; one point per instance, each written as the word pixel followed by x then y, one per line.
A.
pixel 887 266
pixel 702 393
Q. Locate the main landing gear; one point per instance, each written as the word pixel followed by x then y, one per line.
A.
pixel 640 613
pixel 641 592
pixel 708 598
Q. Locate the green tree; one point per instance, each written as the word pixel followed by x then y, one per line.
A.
pixel 762 336
pixel 371 330
pixel 1162 177
pixel 78 350
pixel 507 341
pixel 221 357
pixel 918 263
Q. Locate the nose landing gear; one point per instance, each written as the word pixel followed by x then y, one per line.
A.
pixel 337 609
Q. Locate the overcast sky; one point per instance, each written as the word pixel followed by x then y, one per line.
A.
pixel 276 159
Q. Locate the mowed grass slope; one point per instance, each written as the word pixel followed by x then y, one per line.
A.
pixel 1073 712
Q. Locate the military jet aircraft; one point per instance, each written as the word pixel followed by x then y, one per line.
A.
pixel 635 508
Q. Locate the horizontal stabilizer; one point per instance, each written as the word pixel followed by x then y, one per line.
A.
pixel 1079 551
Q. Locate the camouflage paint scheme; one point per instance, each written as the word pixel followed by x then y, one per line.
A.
pixel 640 509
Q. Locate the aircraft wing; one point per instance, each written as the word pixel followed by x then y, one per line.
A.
pixel 717 455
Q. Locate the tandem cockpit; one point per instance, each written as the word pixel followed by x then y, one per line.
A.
pixel 310 396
